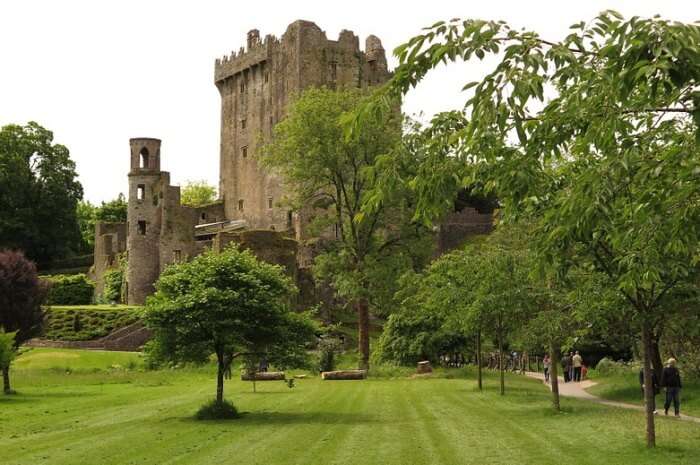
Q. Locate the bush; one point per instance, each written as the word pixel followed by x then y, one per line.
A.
pixel 217 411
pixel 608 367
pixel 326 357
pixel 74 289
pixel 113 285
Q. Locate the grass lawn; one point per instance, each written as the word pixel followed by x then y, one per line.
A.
pixel 626 388
pixel 118 416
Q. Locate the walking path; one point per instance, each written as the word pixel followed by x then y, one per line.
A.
pixel 578 390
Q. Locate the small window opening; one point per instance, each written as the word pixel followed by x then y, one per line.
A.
pixel 140 192
pixel 142 227
pixel 243 123
pixel 244 151
pixel 266 77
pixel 240 205
pixel 177 255
pixel 269 202
pixel 143 158
pixel 204 216
pixel 289 219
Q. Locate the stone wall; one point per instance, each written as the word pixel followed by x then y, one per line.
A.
pixel 457 227
pixel 110 241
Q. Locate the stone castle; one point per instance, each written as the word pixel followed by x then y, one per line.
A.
pixel 255 85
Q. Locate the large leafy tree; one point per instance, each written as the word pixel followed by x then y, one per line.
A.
pixel 21 296
pixel 197 193
pixel 597 134
pixel 39 192
pixel 231 305
pixel 330 178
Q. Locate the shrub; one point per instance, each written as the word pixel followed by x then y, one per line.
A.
pixel 113 285
pixel 326 353
pixel 217 411
pixel 74 289
pixel 608 367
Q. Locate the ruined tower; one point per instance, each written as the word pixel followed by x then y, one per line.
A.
pixel 256 84
pixel 143 226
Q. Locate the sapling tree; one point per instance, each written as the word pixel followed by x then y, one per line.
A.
pixel 229 304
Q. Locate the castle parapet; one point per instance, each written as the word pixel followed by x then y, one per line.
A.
pixel 257 52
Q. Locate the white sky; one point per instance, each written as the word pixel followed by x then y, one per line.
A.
pixel 97 72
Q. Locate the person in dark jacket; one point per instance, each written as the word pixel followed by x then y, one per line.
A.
pixel 671 380
pixel 566 367
pixel 654 384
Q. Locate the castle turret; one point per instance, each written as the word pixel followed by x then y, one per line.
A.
pixel 144 218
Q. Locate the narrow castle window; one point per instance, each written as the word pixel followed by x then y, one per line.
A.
pixel 204 216
pixel 289 219
pixel 177 255
pixel 142 227
pixel 269 202
pixel 240 205
pixel 243 123
pixel 244 151
pixel 143 158
pixel 140 192
pixel 266 77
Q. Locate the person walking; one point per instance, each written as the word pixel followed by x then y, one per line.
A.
pixel 655 387
pixel 547 363
pixel 577 362
pixel 566 367
pixel 671 380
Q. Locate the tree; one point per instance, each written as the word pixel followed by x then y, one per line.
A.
pixel 197 193
pixel 21 296
pixel 229 304
pixel 85 214
pixel 330 178
pixel 113 211
pixel 608 160
pixel 39 192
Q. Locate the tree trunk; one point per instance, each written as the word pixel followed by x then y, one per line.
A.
pixel 478 360
pixel 554 375
pixel 501 368
pixel 220 381
pixel 6 380
pixel 648 386
pixel 362 307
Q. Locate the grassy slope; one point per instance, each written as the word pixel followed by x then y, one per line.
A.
pixel 125 417
pixel 626 388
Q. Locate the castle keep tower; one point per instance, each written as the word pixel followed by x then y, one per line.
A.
pixel 255 86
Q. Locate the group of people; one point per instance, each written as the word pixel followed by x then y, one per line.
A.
pixel 572 365
pixel 671 381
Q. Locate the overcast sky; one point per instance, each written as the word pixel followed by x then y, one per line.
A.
pixel 98 73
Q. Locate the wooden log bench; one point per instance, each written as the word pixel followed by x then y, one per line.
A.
pixel 344 374
pixel 263 376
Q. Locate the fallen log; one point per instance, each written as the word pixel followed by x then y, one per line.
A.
pixel 263 376
pixel 344 374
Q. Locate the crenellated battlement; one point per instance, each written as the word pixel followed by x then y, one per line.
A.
pixel 258 51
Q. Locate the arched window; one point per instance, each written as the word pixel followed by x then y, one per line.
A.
pixel 143 157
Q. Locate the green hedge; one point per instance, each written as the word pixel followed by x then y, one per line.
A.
pixel 84 323
pixel 74 289
pixel 113 285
